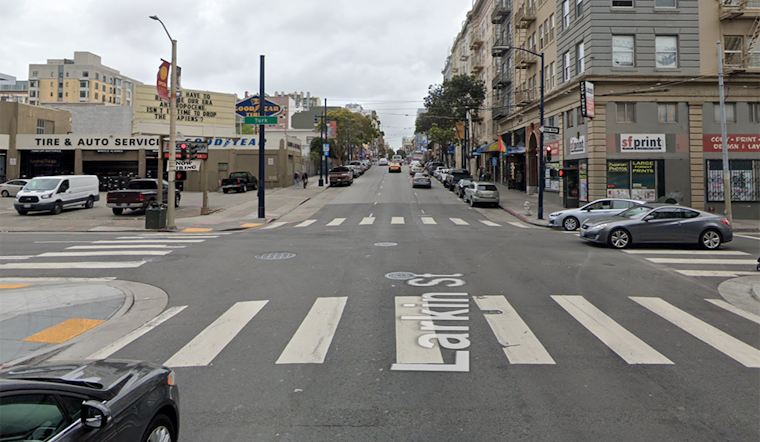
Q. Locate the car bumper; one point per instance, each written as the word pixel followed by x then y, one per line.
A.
pixel 126 205
pixel 481 199
pixel 597 236
pixel 47 205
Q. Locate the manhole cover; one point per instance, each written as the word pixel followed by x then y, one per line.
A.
pixel 400 276
pixel 385 244
pixel 275 256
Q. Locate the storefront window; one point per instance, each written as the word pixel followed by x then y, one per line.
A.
pixel 551 182
pixel 618 179
pixel 583 176
pixel 745 180
pixel 636 179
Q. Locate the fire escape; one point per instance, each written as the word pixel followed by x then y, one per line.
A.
pixel 740 56
pixel 525 15
pixel 504 74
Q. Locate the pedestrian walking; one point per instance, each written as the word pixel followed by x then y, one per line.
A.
pixel 305 179
pixel 297 179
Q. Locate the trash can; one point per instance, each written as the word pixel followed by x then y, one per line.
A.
pixel 155 216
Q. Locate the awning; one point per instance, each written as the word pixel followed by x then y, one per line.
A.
pixel 515 150
pixel 487 148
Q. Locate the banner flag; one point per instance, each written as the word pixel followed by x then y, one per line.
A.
pixel 162 81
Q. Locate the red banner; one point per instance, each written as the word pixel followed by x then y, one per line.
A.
pixel 736 143
pixel 162 80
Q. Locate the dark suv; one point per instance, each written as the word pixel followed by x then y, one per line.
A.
pixel 453 177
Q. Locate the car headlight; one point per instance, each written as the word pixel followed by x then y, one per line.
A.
pixel 598 227
pixel 555 214
pixel 44 197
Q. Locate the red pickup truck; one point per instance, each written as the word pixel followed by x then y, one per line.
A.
pixel 138 195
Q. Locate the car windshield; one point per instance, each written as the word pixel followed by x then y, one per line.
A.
pixel 636 212
pixel 42 184
pixel 339 169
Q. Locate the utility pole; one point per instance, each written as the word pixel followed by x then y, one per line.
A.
pixel 262 171
pixel 726 170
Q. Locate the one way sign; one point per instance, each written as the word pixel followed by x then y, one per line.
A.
pixel 549 130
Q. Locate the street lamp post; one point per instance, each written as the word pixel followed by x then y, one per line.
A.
pixel 171 164
pixel 541 171
pixel 322 136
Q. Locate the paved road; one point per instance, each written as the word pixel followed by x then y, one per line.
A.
pixel 380 312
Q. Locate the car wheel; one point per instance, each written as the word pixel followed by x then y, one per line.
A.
pixel 57 208
pixel 118 211
pixel 160 429
pixel 5 194
pixel 89 203
pixel 570 223
pixel 619 238
pixel 245 188
pixel 176 200
pixel 710 239
pixel 22 212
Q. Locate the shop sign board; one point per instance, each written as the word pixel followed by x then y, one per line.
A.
pixel 5 141
pixel 192 166
pixel 735 143
pixel 250 108
pixel 577 145
pixel 195 108
pixel 642 143
pixel 97 142
pixel 587 99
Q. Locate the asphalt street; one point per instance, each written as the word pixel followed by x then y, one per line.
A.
pixel 382 312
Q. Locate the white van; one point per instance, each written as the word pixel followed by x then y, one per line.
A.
pixel 54 193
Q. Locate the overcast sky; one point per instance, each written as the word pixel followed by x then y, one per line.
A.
pixel 380 54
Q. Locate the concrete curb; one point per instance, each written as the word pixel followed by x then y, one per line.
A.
pixel 521 218
pixel 743 292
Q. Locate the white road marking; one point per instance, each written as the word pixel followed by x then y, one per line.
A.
pixel 134 246
pixel 516 224
pixel 715 273
pixel 703 261
pixel 72 265
pixel 17 257
pixel 274 225
pixel 211 341
pixel 748 236
pixel 397 220
pixel 367 221
pixel 428 220
pixel 311 341
pixel 735 310
pixel 489 223
pixel 721 341
pixel 107 253
pixel 408 349
pixel 519 343
pixel 35 280
pixel 160 238
pixel 336 222
pixel 686 252
pixel 307 223
pixel 459 221
pixel 632 349
pixel 136 333
pixel 149 241
pixel 57 242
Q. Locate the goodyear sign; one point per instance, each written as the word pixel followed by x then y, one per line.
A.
pixel 250 107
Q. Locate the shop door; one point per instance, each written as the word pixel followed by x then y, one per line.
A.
pixel 571 188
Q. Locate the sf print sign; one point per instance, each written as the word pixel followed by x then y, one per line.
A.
pixel 437 319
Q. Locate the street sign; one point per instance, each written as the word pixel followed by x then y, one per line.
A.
pixel 260 120
pixel 326 149
pixel 493 161
pixel 194 166
pixel 549 130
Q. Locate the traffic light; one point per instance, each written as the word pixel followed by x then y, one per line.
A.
pixel 181 175
pixel 548 154
pixel 192 151
pixel 561 173
pixel 182 147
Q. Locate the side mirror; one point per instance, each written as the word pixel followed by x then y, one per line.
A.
pixel 95 415
pixel 648 217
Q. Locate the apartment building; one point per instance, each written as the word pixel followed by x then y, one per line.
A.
pixel 83 79
pixel 648 124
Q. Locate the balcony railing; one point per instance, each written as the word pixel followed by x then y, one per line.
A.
pixel 525 15
pixel 730 9
pixel 501 80
pixel 477 40
pixel 524 59
pixel 500 11
pixel 477 65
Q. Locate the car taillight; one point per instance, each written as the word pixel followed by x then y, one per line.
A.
pixel 142 197
pixel 725 221
pixel 238 180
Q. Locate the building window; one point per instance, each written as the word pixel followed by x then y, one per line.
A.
pixel 32 94
pixel 579 116
pixel 82 84
pixel 546 31
pixel 745 180
pixel 96 95
pixel 85 74
pixel 730 112
pixel 754 112
pixel 580 66
pixel 569 118
pixel 82 94
pixel 52 84
pixel 666 51
pixel 222 166
pixel 622 51
pixel 67 95
pixel 626 112
pixel 664 3
pixel 734 50
pixel 33 83
pixel 551 27
pixel 567 66
pixel 579 8
pixel 97 87
pixel 553 74
pixel 540 36
pixel 51 94
pixel 547 78
pixel 97 75
pixel 666 113
pixel 566 14
pixel 35 74
pixel 622 3
pixel 45 127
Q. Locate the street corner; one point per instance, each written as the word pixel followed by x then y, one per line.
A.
pixel 743 293
pixel 70 318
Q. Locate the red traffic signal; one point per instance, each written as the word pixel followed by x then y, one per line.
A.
pixel 561 173
pixel 548 153
pixel 181 175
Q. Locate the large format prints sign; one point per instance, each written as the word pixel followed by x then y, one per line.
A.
pixel 194 107
pixel 85 142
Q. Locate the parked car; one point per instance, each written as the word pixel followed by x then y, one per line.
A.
pixel 394 168
pixel 658 223
pixel 383 162
pixel 54 193
pixel 438 171
pixel 453 176
pixel 340 176
pixel 461 185
pixel 358 167
pixel 481 192
pixel 100 400
pixel 432 166
pixel 11 188
pixel 138 195
pixel 421 180
pixel 571 219
pixel 239 182
pixel 413 170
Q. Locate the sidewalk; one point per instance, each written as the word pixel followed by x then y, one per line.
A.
pixel 513 201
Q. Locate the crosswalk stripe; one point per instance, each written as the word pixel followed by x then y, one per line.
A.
pixel 107 253
pixel 489 223
pixel 519 343
pixel 161 238
pixel 367 221
pixel 17 257
pixel 735 310
pixel 133 246
pixel 747 236
pixel 428 220
pixel 397 220
pixel 408 349
pixel 632 349
pixel 136 333
pixel 702 261
pixel 336 222
pixel 311 341
pixel 721 341
pixel 274 225
pixel 459 221
pixel 715 273
pixel 516 224
pixel 211 341
pixel 686 252
pixel 307 223
pixel 72 265
pixel 149 241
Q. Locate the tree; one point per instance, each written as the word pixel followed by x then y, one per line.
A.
pixel 443 137
pixel 353 129
pixel 315 152
pixel 246 129
pixel 448 103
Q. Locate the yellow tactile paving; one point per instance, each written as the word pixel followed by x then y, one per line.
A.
pixel 64 331
pixel 196 230
pixel 13 286
pixel 252 224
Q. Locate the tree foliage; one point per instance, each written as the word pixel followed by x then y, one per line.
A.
pixel 442 137
pixel 353 129
pixel 449 102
